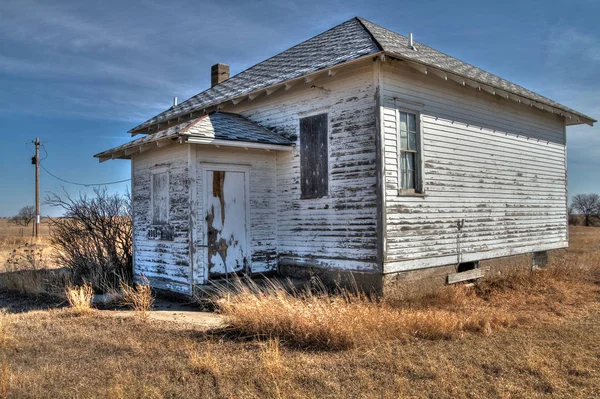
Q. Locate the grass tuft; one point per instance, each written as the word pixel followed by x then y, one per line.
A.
pixel 80 298
pixel 203 361
pixel 139 297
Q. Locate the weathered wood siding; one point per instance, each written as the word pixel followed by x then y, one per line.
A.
pixel 165 263
pixel 262 206
pixel 496 164
pixel 338 230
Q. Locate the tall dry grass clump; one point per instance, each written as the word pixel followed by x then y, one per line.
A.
pixel 139 297
pixel 80 298
pixel 316 319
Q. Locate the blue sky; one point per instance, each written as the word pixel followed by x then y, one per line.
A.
pixel 79 74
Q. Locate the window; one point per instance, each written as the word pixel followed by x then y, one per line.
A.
pixel 160 197
pixel 408 132
pixel 314 169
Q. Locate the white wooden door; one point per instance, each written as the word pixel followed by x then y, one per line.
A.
pixel 225 217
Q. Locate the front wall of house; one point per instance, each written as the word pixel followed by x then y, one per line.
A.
pixel 173 264
pixel 340 229
pixel 166 263
pixel 261 206
pixel 496 164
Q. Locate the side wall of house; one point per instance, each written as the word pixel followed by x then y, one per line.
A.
pixel 340 229
pixel 166 263
pixel 497 165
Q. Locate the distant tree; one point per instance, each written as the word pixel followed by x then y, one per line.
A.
pixel 587 205
pixel 25 216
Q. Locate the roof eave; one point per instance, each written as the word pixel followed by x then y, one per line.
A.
pixel 571 117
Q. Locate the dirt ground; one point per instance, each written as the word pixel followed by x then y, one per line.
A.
pixel 46 351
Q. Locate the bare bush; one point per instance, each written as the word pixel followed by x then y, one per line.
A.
pixel 93 239
pixel 25 216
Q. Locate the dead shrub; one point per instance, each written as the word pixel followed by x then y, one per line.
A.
pixel 139 297
pixel 93 239
pixel 80 298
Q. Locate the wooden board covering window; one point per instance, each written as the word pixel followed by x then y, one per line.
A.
pixel 314 171
pixel 160 198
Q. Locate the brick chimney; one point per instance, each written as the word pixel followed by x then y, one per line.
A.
pixel 218 73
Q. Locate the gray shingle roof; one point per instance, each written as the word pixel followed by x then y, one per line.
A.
pixel 396 44
pixel 346 42
pixel 218 125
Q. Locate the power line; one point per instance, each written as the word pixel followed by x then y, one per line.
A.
pixel 72 182
pixel 44 148
pixel 83 184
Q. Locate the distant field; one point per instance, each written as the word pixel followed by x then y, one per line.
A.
pixel 14 230
pixel 13 236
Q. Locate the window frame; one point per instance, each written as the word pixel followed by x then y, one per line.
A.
pixel 155 172
pixel 327 155
pixel 419 186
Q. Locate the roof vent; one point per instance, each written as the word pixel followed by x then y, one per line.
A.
pixel 174 101
pixel 410 42
pixel 218 74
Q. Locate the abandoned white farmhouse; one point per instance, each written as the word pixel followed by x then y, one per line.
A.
pixel 357 150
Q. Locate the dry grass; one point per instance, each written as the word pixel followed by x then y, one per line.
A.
pixel 314 319
pixel 139 297
pixel 80 298
pixel 552 350
pixel 5 373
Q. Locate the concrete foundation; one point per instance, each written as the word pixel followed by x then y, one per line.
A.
pixel 422 281
pixel 412 282
pixel 369 282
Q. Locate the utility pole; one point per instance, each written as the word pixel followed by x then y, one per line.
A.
pixel 37 186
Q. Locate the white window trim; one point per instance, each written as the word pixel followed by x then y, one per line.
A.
pixel 419 190
pixel 157 171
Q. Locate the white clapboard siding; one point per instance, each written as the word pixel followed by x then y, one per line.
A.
pixel 339 230
pixel 166 264
pixel 496 164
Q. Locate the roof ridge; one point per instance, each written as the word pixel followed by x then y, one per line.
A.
pixel 362 23
pixel 188 127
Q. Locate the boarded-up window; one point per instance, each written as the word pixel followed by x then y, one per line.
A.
pixel 408 132
pixel 160 198
pixel 314 171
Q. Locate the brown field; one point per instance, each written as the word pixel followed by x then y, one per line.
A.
pixel 12 236
pixel 522 336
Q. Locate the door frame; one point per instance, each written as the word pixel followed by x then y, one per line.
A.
pixel 225 167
